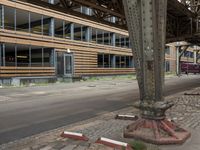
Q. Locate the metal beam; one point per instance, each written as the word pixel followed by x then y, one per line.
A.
pixel 146 20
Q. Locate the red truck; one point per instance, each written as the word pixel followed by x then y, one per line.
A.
pixel 187 67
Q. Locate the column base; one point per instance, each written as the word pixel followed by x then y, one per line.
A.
pixel 158 132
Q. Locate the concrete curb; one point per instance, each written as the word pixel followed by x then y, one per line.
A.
pixel 114 144
pixel 126 117
pixel 74 135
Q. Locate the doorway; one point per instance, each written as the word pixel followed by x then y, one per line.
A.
pixel 68 65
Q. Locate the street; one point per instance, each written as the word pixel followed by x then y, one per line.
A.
pixel 30 110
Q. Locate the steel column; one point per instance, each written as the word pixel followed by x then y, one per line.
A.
pixel 146 20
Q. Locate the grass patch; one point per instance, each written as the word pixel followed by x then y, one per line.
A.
pixel 138 145
pixel 108 78
pixel 170 74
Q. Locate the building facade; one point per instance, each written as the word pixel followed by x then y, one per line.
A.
pixel 37 41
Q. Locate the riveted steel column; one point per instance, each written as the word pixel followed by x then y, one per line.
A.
pixel 146 21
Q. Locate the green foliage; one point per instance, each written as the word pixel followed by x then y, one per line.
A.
pixel 138 145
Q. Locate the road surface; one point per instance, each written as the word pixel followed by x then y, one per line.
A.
pixel 31 110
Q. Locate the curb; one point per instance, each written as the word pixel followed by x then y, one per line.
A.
pixel 126 117
pixel 75 136
pixel 114 144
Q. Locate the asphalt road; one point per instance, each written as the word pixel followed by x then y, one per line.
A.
pixel 28 111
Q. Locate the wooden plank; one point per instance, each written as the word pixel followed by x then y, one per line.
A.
pixel 28 68
pixel 27 71
pixel 24 75
pixel 60 45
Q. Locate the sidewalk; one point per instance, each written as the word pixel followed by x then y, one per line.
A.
pixel 186 112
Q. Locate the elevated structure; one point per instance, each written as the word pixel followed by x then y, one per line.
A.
pixel 147 23
pixel 95 23
pixel 182 23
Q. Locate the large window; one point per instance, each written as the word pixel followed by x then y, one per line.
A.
pixel 167 66
pixel 10 59
pixel 127 42
pixel 186 54
pixel 35 23
pixel 123 41
pixel 22 20
pixel 191 54
pixel 77 32
pixel 118 40
pixel 59 28
pixel 106 60
pixel 100 37
pixel 167 50
pixel 84 30
pixel 36 56
pixel 47 57
pixel 47 25
pixel 107 38
pixel 1 16
pixel 100 60
pixel 114 61
pixel 94 35
pixel 129 62
pixel 123 62
pixel 9 18
pixel 118 62
pixel 1 54
pixel 67 30
pixel 24 56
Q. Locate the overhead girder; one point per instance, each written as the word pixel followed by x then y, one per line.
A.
pixel 182 23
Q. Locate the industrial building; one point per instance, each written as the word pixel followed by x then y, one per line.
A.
pixel 40 41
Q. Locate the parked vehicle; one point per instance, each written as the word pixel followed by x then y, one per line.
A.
pixel 187 67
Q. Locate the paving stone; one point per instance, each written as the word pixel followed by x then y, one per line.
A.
pixel 80 147
pixel 99 147
pixel 69 147
pixel 47 148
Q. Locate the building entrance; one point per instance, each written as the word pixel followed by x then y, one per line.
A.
pixel 68 65
pixel 65 64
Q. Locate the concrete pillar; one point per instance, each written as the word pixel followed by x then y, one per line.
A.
pixel 29 49
pixel 4 58
pixel 87 11
pixel 195 57
pixel 51 1
pixel 72 31
pixel 1 55
pixel 179 53
pixel 113 19
pixel 2 16
pixel 113 61
pixel 88 30
pixel 88 34
pixel 113 38
pixel 52 27
pixel 177 61
pixel 51 58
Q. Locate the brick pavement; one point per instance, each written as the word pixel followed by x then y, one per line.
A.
pixel 186 112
